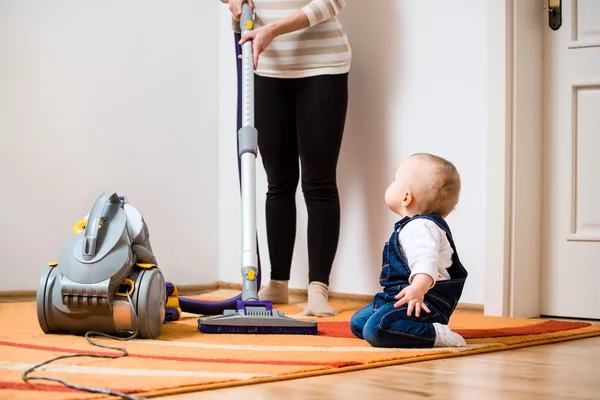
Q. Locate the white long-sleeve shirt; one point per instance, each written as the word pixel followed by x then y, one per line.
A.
pixel 322 48
pixel 427 249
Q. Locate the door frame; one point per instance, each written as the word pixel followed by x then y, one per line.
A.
pixel 515 31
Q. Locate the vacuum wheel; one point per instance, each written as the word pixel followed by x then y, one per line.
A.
pixel 149 300
pixel 44 299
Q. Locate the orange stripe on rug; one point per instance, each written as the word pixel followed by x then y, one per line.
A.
pixel 334 364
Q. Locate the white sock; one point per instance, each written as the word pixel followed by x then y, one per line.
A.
pixel 318 295
pixel 276 292
pixel 445 337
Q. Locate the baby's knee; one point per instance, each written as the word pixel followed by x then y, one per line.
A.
pixel 372 335
pixel 357 323
pixel 378 335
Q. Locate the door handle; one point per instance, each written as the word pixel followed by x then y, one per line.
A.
pixel 555 14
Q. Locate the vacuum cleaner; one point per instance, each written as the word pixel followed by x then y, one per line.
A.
pixel 251 315
pixel 105 281
pixel 106 278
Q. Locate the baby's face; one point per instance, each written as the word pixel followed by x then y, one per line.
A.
pixel 408 187
pixel 398 193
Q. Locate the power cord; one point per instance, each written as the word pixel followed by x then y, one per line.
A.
pixel 87 336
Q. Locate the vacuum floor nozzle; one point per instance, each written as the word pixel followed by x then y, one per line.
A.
pixel 256 317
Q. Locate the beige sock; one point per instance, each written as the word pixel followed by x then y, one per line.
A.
pixel 276 292
pixel 318 295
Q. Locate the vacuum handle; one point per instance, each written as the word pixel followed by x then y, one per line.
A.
pixel 247 18
pixel 239 25
pixel 247 24
pixel 90 235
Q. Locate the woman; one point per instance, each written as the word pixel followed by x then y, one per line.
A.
pixel 302 58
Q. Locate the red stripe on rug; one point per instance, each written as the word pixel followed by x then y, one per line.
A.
pixel 342 329
pixel 337 364
pixel 544 327
pixel 40 387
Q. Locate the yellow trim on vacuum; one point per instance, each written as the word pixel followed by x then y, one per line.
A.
pixel 80 226
pixel 131 284
pixel 172 302
pixel 145 265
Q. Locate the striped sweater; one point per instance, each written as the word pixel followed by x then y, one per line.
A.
pixel 322 48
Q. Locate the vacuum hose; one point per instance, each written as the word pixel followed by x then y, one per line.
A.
pixel 217 307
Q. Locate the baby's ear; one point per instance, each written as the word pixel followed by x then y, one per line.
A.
pixel 407 198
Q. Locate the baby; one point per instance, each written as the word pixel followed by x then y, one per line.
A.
pixel 422 276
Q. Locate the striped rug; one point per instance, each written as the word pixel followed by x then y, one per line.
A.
pixel 184 360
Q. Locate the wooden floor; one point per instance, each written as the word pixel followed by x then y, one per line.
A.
pixel 568 370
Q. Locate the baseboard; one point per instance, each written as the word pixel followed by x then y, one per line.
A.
pixel 193 290
pixel 14 296
pixel 360 298
pixel 348 297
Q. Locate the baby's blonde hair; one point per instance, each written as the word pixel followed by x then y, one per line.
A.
pixel 441 193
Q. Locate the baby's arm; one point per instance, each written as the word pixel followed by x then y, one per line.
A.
pixel 421 240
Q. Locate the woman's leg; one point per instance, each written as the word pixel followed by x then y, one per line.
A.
pixel 275 120
pixel 321 116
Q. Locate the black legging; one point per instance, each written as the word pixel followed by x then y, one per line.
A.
pixel 304 118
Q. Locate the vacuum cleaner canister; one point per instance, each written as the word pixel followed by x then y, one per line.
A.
pixel 106 278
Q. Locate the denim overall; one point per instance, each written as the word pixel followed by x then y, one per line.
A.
pixel 382 325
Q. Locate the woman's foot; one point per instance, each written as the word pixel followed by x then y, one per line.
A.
pixel 318 295
pixel 276 292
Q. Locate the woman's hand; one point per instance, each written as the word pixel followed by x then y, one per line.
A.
pixel 264 35
pixel 261 38
pixel 235 6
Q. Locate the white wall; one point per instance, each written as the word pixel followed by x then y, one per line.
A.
pixel 134 87
pixel 108 96
pixel 417 84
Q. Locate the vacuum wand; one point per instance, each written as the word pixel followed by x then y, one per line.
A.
pixel 248 149
pixel 251 315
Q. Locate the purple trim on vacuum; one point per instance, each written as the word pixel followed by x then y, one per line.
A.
pixel 207 307
pixel 249 329
pixel 171 314
pixel 170 288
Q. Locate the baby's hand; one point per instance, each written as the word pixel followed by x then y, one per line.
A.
pixel 414 294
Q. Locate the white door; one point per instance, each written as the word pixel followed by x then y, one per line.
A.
pixel 570 282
